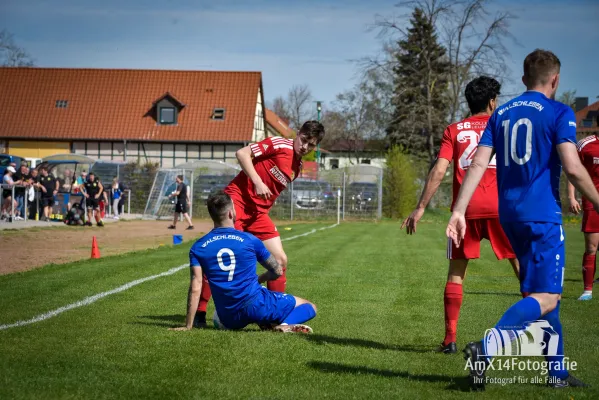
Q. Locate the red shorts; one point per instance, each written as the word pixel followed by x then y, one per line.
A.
pixel 476 231
pixel 590 221
pixel 253 221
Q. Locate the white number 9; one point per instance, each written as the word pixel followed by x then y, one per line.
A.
pixel 229 268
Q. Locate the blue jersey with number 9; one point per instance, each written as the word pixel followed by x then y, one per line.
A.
pixel 228 259
pixel 525 132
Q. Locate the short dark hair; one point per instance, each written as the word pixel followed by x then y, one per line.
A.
pixel 180 177
pixel 44 169
pixel 480 91
pixel 91 173
pixel 218 205
pixel 539 66
pixel 312 129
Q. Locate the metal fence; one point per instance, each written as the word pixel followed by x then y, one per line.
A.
pixel 351 193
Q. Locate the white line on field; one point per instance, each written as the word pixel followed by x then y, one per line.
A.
pixel 92 299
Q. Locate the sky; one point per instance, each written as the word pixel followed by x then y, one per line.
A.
pixel 290 42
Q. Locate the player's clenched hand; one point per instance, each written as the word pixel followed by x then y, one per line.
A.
pixel 262 190
pixel 574 206
pixel 179 328
pixel 411 222
pixel 456 229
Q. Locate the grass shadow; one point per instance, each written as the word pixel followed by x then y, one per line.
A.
pixel 455 383
pixel 369 344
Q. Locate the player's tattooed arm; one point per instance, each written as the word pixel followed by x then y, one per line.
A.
pixel 274 270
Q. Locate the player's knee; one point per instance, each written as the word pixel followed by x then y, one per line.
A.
pixel 591 248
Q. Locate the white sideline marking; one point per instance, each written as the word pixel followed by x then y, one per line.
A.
pixel 92 299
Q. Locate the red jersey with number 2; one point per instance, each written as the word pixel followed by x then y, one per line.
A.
pixel 459 144
pixel 276 164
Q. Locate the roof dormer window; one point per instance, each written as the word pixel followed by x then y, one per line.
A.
pixel 62 103
pixel 218 114
pixel 166 110
pixel 168 116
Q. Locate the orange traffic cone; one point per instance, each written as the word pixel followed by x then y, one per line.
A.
pixel 95 250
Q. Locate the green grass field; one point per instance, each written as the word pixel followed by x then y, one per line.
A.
pixel 380 300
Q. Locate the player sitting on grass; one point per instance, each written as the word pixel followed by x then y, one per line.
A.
pixel 228 259
pixel 459 144
pixel 268 167
pixel 588 150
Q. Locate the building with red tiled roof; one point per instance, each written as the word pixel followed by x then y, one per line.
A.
pixel 161 116
pixel 586 119
pixel 277 126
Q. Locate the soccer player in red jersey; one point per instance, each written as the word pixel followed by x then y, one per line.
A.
pixel 588 150
pixel 268 167
pixel 459 144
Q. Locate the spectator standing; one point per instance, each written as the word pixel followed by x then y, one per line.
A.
pixel 182 196
pixel 49 186
pixel 116 197
pixel 7 182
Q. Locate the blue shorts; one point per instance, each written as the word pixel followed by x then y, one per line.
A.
pixel 540 248
pixel 266 307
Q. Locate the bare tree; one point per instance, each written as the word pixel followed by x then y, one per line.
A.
pixel 280 107
pixel 473 36
pixel 299 103
pixel 568 98
pixel 355 119
pixel 12 55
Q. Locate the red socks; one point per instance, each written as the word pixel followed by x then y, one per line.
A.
pixel 205 296
pixel 278 285
pixel 588 271
pixel 453 301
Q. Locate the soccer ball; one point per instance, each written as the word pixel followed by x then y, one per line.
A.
pixel 216 322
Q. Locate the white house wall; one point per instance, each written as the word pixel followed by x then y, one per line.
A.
pixel 259 133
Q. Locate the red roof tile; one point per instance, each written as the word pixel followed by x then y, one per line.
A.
pixel 107 104
pixel 278 124
pixel 589 112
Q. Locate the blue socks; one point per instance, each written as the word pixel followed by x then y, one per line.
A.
pixel 526 310
pixel 300 314
pixel 553 319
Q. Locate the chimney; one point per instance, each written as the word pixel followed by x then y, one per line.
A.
pixel 580 103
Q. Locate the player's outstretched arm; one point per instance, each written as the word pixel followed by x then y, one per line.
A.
pixel 195 290
pixel 456 228
pixel 574 205
pixel 244 156
pixel 274 270
pixel 577 173
pixel 433 181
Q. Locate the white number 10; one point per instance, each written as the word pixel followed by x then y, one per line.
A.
pixel 511 147
pixel 229 268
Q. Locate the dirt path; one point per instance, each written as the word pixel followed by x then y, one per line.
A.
pixel 32 248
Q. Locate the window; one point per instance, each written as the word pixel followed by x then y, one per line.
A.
pixel 587 123
pixel 365 161
pixel 62 103
pixel 334 163
pixel 218 113
pixel 168 116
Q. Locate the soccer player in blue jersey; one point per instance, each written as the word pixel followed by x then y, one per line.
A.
pixel 228 259
pixel 533 136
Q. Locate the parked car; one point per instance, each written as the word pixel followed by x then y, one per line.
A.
pixel 363 196
pixel 311 194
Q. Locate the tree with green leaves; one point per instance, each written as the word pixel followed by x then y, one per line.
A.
pixel 421 81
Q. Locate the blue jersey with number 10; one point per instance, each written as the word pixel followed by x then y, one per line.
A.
pixel 228 259
pixel 525 132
